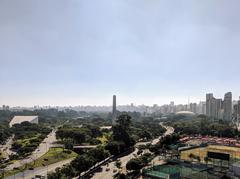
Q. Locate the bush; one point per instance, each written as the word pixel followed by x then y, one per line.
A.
pixel 134 164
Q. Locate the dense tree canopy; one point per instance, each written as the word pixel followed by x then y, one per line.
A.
pixel 79 135
pixel 202 125
pixel 134 164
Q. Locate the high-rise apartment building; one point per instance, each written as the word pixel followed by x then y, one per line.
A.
pixel 227 106
pixel 193 107
pixel 210 105
pixel 236 111
pixel 202 107
pixel 218 107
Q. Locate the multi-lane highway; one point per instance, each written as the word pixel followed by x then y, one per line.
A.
pixel 40 151
pixel 42 171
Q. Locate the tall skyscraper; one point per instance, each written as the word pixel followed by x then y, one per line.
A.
pixel 172 107
pixel 210 105
pixel 218 107
pixel 238 108
pixel 236 111
pixel 193 107
pixel 114 110
pixel 201 108
pixel 227 106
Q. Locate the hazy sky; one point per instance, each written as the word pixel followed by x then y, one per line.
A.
pixel 73 52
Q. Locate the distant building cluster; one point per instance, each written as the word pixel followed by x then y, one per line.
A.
pixel 218 108
pixel 195 108
pixel 236 110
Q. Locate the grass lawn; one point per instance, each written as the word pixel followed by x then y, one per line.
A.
pixel 105 137
pixel 54 155
pixel 25 142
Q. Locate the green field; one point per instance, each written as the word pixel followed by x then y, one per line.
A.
pixel 27 141
pixel 105 137
pixel 54 155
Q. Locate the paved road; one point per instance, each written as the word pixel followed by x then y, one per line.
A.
pixel 40 151
pixel 109 174
pixel 28 174
pixel 169 130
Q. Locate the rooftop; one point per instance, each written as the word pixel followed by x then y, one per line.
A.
pixel 20 119
pixel 185 113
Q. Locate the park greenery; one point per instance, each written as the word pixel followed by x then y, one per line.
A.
pixel 87 134
pixel 166 143
pixel 121 138
pixel 126 133
pixel 81 163
pixel 204 126
pixel 136 164
pixel 147 128
pixel 78 128
pixel 52 156
pixel 27 137
pixel 5 133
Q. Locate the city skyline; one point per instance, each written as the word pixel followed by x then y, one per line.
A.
pixel 189 103
pixel 145 52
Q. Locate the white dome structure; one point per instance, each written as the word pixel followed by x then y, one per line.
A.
pixel 185 113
